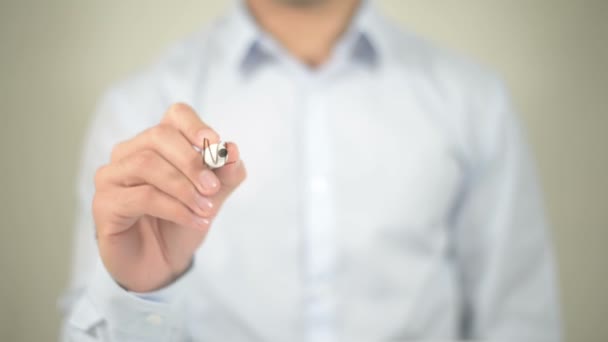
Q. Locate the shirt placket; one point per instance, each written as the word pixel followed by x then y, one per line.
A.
pixel 318 243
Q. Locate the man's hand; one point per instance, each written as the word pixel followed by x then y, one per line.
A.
pixel 155 200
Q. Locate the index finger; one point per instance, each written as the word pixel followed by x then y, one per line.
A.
pixel 182 117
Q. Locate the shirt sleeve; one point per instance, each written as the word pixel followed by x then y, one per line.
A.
pixel 107 312
pixel 503 247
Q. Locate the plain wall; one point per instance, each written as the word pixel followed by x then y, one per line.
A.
pixel 57 56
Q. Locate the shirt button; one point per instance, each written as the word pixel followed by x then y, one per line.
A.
pixel 154 319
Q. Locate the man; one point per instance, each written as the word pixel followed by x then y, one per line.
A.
pixel 389 193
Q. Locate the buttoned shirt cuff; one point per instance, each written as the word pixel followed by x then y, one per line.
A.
pixel 154 316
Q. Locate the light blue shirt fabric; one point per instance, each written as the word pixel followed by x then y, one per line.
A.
pixel 390 197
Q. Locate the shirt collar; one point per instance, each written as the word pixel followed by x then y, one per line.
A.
pixel 250 47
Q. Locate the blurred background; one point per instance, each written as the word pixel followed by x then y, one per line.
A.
pixel 56 57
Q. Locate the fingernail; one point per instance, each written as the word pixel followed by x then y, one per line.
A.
pixel 203 202
pixel 201 221
pixel 209 180
pixel 205 134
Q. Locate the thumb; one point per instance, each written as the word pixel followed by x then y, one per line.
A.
pixel 232 174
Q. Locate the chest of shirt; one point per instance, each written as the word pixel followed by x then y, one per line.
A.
pixel 392 166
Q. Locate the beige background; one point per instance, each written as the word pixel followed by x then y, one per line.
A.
pixel 57 56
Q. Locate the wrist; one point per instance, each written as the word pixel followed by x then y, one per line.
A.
pixel 147 287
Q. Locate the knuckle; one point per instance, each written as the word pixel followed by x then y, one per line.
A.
pixel 142 160
pixel 138 195
pixel 176 110
pixel 116 151
pixel 100 176
pixel 97 205
pixel 102 209
pixel 158 133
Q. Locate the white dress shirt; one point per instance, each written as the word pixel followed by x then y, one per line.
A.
pixel 390 197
